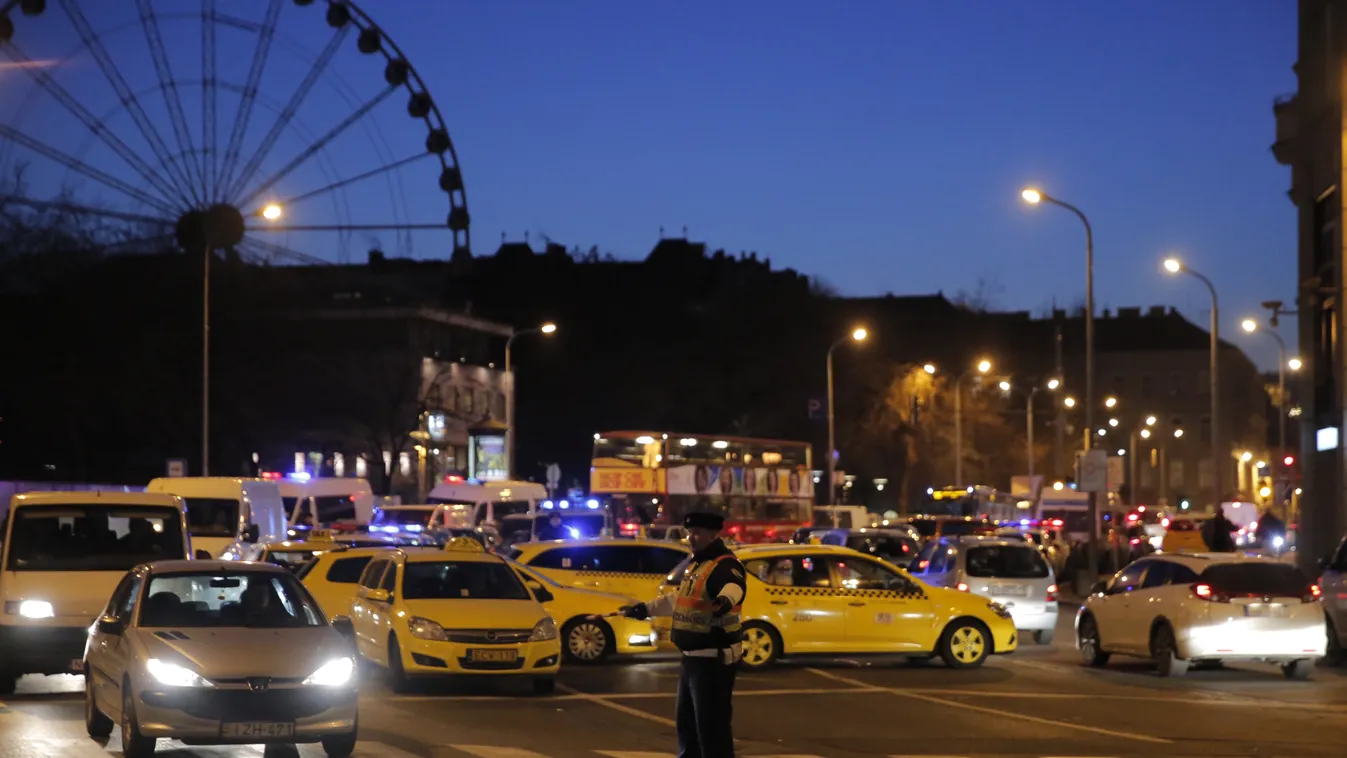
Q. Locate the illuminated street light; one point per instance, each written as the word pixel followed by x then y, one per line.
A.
pixel 1178 433
pixel 545 329
pixel 1260 465
pixel 1053 384
pixel 1110 402
pixel 272 212
pixel 1175 266
pixel 858 334
pixel 929 368
pixel 1249 325
pixel 984 366
pixel 1246 456
pixel 1265 492
pixel 1102 432
pixel 1069 402
pixel 1294 364
pixel 1113 422
pixel 1032 196
pixel 1150 421
pixel 1145 434
pixel 1005 386
pixel 1058 486
pixel 1122 451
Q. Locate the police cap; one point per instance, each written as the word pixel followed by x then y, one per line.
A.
pixel 704 520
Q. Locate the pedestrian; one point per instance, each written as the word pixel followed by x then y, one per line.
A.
pixel 1216 532
pixel 1271 530
pixel 706 629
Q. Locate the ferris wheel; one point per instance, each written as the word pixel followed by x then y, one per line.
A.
pixel 280 131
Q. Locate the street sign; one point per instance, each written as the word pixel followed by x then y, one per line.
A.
pixel 177 467
pixel 816 412
pixel 1092 471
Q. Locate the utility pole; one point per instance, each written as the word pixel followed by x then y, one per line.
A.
pixel 1059 420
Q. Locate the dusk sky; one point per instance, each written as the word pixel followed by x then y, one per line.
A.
pixel 880 146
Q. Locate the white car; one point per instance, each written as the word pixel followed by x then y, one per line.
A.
pixel 1008 570
pixel 1205 608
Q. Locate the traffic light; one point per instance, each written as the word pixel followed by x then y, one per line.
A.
pixel 1289 461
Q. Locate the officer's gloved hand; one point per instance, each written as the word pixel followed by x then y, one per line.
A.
pixel 723 606
pixel 638 611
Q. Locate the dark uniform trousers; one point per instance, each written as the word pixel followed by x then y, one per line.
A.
pixel 704 711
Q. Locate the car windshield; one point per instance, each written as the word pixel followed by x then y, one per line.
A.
pixel 212 516
pixel 882 546
pixel 567 526
pixel 468 580
pixel 1257 579
pixel 539 577
pixel 218 599
pixel 402 516
pixel 93 537
pixel 1006 562
pixel 291 559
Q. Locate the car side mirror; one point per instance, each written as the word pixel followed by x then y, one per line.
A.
pixel 111 625
pixel 540 592
pixel 1098 588
pixel 343 625
pixel 251 533
pixel 203 555
pixel 379 596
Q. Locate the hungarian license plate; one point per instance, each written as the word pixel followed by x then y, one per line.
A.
pixel 259 729
pixel 1010 590
pixel 480 655
pixel 1269 610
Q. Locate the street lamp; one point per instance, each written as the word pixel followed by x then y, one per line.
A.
pixel 1175 266
pixel 546 329
pixel 1294 364
pixel 1110 402
pixel 1069 402
pixel 983 366
pixel 1142 430
pixel 857 335
pixel 1035 197
pixel 929 368
pixel 272 212
pixel 1251 326
pixel 1029 417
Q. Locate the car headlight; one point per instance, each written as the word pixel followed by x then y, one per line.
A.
pixel 425 629
pixel 544 630
pixel 173 675
pixel 999 610
pixel 31 609
pixel 334 673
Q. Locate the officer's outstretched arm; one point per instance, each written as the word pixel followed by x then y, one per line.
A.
pixel 660 606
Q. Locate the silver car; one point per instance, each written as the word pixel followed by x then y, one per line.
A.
pixel 1010 571
pixel 219 652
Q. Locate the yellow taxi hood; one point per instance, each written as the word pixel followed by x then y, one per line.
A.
pixel 76 597
pixel 596 597
pixel 234 652
pixel 455 613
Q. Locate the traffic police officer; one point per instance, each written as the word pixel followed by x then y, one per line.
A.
pixel 706 630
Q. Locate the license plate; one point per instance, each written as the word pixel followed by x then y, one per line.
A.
pixel 493 656
pixel 77 665
pixel 1265 610
pixel 1013 590
pixel 261 729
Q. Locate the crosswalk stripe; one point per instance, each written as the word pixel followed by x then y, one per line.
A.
pixel 497 751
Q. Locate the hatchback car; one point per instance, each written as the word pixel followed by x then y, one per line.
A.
pixel 219 652
pixel 1010 571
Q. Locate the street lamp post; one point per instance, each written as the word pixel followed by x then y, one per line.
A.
pixel 1175 266
pixel 1142 429
pixel 1251 326
pixel 857 335
pixel 982 367
pixel 545 329
pixel 1029 418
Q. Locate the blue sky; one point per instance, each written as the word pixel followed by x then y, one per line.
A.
pixel 877 144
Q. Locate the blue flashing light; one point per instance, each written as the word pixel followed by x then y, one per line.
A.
pixel 386 529
pixel 412 527
pixel 1024 522
pixel 565 504
pixel 575 533
pixel 299 476
pixel 593 504
pixel 547 505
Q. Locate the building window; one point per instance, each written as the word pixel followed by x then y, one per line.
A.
pixel 1147 386
pixel 405 463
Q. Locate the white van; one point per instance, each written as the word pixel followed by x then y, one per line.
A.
pixel 326 501
pixel 490 501
pixel 229 518
pixel 62 556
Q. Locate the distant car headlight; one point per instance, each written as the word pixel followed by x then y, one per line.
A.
pixel 173 675
pixel 544 630
pixel 334 673
pixel 425 629
pixel 31 609
pixel 999 610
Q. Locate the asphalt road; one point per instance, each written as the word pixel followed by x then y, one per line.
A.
pixel 1035 703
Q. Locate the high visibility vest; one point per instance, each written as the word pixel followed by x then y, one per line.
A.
pixel 694 610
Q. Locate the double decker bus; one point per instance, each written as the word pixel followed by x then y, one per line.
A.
pixel 651 480
pixel 976 501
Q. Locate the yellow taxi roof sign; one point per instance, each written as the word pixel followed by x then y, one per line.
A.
pixel 320 535
pixel 463 545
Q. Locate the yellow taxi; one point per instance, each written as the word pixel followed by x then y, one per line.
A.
pixel 825 599
pixel 332 576
pixel 585 639
pixel 1184 535
pixel 632 568
pixel 294 553
pixel 462 610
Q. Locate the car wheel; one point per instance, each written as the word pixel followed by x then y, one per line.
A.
pixel 545 685
pixel 965 644
pixel 1087 639
pixel 587 640
pixel 396 673
pixel 95 721
pixel 1044 636
pixel 1298 670
pixel 134 744
pixel 761 646
pixel 1165 652
pixel 340 745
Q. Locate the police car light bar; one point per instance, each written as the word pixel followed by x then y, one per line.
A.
pixel 592 504
pixel 299 476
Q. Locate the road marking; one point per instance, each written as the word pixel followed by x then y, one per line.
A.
pixel 638 713
pixel 997 711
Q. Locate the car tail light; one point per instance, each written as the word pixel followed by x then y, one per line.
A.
pixel 961 586
pixel 1052 593
pixel 1313 594
pixel 1204 591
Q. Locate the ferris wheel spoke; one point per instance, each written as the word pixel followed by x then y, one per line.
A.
pixel 291 201
pixel 123 90
pixel 264 37
pixel 209 98
pixel 342 227
pixel 309 151
pixel 63 96
pixel 287 113
pixel 168 87
pixel 86 210
pixel 74 164
pixel 273 250
pixel 166 238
